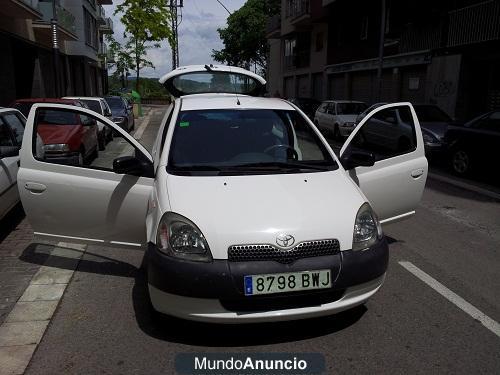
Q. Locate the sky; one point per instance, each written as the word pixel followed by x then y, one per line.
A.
pixel 198 34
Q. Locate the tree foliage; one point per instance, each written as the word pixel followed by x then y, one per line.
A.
pixel 147 23
pixel 121 59
pixel 244 37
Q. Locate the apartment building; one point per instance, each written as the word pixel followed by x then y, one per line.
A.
pixel 442 52
pixel 27 67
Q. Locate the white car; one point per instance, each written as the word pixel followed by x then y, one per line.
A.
pixel 100 106
pixel 11 135
pixel 246 212
pixel 338 117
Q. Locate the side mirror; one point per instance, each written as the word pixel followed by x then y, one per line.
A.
pixel 9 151
pixel 133 166
pixel 357 159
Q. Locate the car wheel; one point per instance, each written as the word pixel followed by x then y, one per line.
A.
pixel 102 141
pixel 336 133
pixel 461 161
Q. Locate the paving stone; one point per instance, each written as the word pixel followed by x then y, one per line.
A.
pixel 22 333
pixel 15 359
pixel 32 311
pixel 43 292
pixel 52 275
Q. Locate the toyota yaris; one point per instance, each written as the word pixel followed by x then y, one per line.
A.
pixel 245 211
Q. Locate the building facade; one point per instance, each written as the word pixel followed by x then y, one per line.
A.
pixel 28 67
pixel 445 53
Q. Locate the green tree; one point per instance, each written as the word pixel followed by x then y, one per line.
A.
pixel 244 37
pixel 147 23
pixel 122 60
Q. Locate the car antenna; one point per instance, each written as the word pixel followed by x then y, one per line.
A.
pixel 235 91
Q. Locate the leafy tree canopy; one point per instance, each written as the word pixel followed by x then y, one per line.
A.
pixel 244 37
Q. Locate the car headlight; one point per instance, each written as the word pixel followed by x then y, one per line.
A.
pixel 56 147
pixel 118 119
pixel 179 237
pixel 367 229
pixel 429 138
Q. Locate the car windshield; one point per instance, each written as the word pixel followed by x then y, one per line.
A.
pixel 115 103
pixel 57 117
pixel 237 142
pixel 431 113
pixel 350 108
pixel 94 105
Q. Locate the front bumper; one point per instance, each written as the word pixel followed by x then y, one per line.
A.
pixel 214 291
pixel 346 129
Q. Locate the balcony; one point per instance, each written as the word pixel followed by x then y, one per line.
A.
pixel 106 27
pixel 27 9
pixel 273 27
pixel 101 15
pixel 65 23
pixel 474 24
pixel 298 11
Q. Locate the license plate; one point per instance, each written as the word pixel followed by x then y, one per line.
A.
pixel 287 282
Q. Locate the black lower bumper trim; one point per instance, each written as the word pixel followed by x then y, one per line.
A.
pixel 223 280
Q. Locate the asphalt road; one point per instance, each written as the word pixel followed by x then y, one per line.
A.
pixel 103 324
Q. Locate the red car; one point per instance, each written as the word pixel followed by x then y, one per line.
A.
pixel 68 138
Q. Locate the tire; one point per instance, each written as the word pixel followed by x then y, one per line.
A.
pixel 460 161
pixel 102 141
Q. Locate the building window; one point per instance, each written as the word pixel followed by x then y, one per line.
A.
pixel 90 27
pixel 319 41
pixel 298 51
pixel 364 29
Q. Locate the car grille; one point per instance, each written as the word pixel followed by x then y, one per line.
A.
pixel 266 252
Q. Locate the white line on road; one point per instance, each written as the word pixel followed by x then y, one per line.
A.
pixel 454 298
pixel 140 130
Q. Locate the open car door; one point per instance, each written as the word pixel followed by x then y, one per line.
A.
pixel 395 182
pixel 73 192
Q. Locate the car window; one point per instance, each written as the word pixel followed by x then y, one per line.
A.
pixel 94 105
pixel 115 103
pixel 76 145
pixel 388 133
pixel 431 113
pixel 322 107
pixel 5 134
pixel 330 109
pixel 350 108
pixel 16 124
pixel 245 141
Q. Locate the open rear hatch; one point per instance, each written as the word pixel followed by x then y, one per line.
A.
pixel 201 79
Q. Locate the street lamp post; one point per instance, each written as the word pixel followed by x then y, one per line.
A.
pixel 55 48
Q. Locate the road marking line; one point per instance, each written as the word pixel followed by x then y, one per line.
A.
pixel 464 185
pixel 454 298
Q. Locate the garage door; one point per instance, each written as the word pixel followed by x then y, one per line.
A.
pixel 289 90
pixel 362 86
pixel 303 89
pixel 336 87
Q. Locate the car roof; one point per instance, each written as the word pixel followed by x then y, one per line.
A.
pixel 96 98
pixel 230 101
pixel 46 100
pixel 6 109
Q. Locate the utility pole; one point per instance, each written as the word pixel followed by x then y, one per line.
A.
pixel 174 4
pixel 55 48
pixel 381 48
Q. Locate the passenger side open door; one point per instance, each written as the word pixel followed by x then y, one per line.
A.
pixel 388 142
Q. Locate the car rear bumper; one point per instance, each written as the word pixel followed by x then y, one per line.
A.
pixel 214 291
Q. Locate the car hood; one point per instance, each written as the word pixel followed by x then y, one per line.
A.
pixel 436 128
pixel 237 210
pixel 347 118
pixel 52 134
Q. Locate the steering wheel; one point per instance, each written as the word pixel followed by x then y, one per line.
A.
pixel 288 147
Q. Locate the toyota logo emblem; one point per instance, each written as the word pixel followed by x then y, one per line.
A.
pixel 285 240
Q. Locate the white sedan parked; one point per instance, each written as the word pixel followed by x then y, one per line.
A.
pixel 338 117
pixel 246 212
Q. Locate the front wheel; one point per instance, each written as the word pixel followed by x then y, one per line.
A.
pixel 460 162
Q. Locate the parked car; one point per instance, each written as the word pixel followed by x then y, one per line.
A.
pixel 434 122
pixel 122 112
pixel 307 105
pixel 247 213
pixel 338 117
pixel 475 144
pixel 68 138
pixel 100 106
pixel 363 114
pixel 12 124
